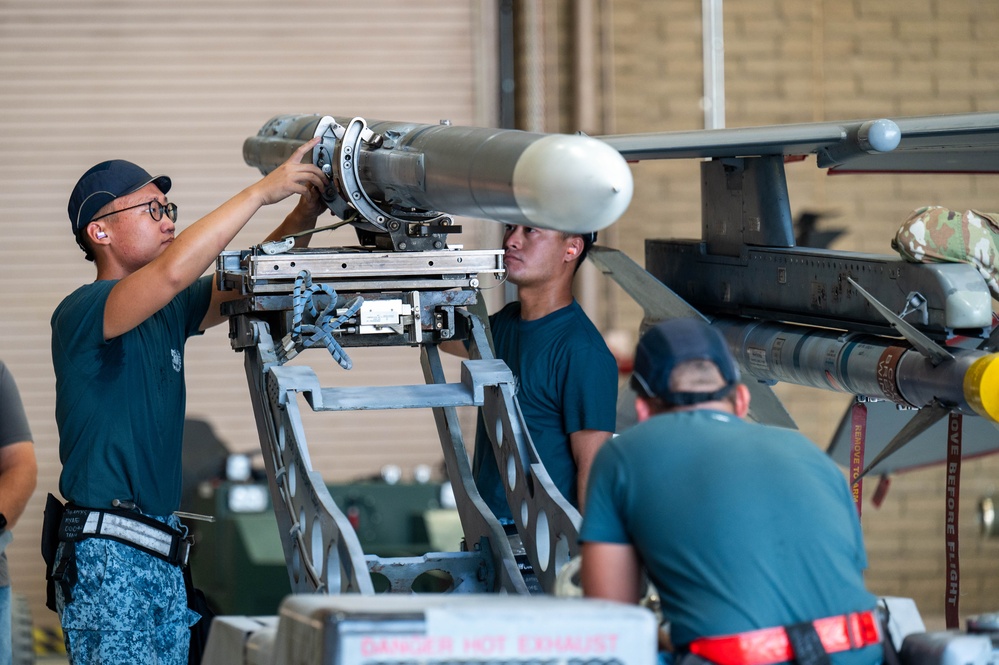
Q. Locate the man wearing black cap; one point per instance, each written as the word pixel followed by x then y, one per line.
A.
pixel 118 352
pixel 748 532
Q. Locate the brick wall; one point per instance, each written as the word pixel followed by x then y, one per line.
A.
pixel 801 61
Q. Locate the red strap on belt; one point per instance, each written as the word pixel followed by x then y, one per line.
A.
pixel 771 645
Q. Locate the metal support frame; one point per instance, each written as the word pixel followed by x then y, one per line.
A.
pixel 548 525
pixel 321 549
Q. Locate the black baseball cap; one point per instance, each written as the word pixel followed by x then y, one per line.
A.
pixel 102 184
pixel 675 341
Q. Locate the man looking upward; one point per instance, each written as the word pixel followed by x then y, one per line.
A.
pixel 567 377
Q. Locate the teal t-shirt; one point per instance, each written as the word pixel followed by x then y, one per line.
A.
pixel 740 526
pixel 120 403
pixel 567 382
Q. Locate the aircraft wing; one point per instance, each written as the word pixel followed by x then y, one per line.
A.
pixel 788 140
pixel 778 303
pixel 965 143
pixel 960 143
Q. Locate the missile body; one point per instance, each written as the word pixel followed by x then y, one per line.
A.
pixel 868 365
pixel 394 170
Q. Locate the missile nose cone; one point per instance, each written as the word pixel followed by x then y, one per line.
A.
pixel 572 183
pixel 981 386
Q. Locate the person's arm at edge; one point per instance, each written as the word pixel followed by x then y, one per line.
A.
pixel 611 571
pixel 584 445
pixel 141 294
pixel 18 477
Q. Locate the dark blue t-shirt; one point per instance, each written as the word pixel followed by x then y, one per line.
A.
pixel 740 526
pixel 120 403
pixel 567 382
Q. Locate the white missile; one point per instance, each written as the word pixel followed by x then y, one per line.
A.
pixel 408 172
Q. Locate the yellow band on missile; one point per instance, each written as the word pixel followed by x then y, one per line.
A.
pixel 981 386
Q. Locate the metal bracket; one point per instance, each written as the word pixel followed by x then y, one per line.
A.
pixel 340 162
pixel 915 303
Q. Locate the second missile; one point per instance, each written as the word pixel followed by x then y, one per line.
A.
pixel 868 365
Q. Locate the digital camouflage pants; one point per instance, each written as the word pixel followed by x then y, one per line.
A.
pixel 126 606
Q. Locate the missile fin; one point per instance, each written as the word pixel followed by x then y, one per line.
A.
pixel 936 353
pixel 766 408
pixel 659 302
pixel 922 421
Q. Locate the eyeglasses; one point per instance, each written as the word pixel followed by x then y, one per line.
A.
pixel 154 208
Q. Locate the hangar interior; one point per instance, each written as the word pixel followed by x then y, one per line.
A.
pixel 179 87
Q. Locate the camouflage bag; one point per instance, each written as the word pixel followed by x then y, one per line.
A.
pixel 936 235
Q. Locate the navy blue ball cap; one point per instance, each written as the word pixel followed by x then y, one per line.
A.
pixel 105 182
pixel 675 341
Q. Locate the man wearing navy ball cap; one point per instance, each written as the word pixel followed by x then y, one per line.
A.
pixel 102 184
pixel 116 552
pixel 747 531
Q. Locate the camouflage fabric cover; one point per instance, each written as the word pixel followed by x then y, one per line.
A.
pixel 937 234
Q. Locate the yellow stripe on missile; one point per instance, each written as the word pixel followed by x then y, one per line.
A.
pixel 981 386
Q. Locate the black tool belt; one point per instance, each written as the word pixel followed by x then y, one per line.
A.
pixel 71 524
pixel 128 527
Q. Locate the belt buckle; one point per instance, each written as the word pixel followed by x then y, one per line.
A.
pixel 851 630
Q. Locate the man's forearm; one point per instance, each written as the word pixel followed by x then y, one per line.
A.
pixel 18 477
pixel 611 571
pixel 585 445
